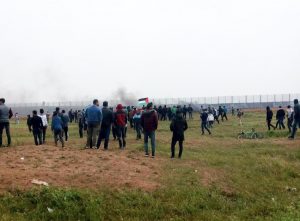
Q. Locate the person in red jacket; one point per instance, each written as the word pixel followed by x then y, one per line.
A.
pixel 120 121
pixel 149 123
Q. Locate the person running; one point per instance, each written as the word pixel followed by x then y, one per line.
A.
pixel 290 117
pixel 137 124
pixel 216 115
pixel 93 116
pixel 178 127
pixel 149 122
pixel 28 122
pixel 190 110
pixel 57 128
pixel 296 122
pixel 269 117
pixel 280 115
pixel 225 113
pixel 65 119
pixel 204 118
pixel 107 120
pixel 120 122
pixel 221 113
pixel 36 126
pixel 5 115
pixel 43 116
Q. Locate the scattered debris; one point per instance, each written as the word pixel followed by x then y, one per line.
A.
pixel 50 210
pixel 39 182
pixel 22 158
pixel 196 171
pixel 290 189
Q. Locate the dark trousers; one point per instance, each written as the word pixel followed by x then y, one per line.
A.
pixel 217 119
pixel 151 135
pixel 80 125
pixel 58 136
pixel 190 115
pixel 7 130
pixel 44 134
pixel 184 115
pixel 280 124
pixel 224 116
pixel 290 124
pixel 173 144
pixel 296 124
pixel 114 132
pixel 138 130
pixel 66 134
pixel 37 135
pixel 93 132
pixel 121 134
pixel 270 124
pixel 204 126
pixel 104 135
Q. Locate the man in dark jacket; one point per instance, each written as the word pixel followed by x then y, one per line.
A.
pixel 269 117
pixel 280 115
pixel 107 121
pixel 65 119
pixel 120 121
pixel 5 115
pixel 178 126
pixel 36 126
pixel 190 110
pixel 184 111
pixel 204 117
pixel 149 123
pixel 93 117
pixel 296 122
pixel 57 128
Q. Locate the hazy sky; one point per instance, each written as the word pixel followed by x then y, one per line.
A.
pixel 56 50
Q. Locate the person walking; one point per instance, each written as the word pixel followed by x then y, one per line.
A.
pixel 57 128
pixel 225 112
pixel 178 127
pixel 120 121
pixel 80 119
pixel 190 110
pixel 137 124
pixel 290 117
pixel 65 119
pixel 43 116
pixel 36 126
pixel 296 122
pixel 93 116
pixel 269 117
pixel 5 115
pixel 149 122
pixel 107 120
pixel 280 115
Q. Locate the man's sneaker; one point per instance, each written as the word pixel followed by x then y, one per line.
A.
pixel 146 155
pixel 153 156
pixel 291 138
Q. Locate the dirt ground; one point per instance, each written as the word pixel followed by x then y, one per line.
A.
pixel 76 168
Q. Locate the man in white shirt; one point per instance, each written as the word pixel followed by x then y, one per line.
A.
pixel 45 124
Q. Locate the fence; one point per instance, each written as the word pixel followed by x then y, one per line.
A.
pixel 244 102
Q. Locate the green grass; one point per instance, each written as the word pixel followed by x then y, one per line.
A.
pixel 219 178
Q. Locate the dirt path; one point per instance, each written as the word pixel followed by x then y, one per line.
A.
pixel 77 168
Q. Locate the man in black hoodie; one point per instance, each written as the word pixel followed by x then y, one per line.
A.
pixel 178 126
pixel 269 114
pixel 280 115
pixel 107 120
pixel 36 126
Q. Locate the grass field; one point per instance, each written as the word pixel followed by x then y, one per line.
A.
pixel 219 177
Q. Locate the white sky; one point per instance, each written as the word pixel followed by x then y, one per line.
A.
pixel 54 50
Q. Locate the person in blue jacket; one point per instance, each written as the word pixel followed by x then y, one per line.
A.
pixel 57 127
pixel 93 116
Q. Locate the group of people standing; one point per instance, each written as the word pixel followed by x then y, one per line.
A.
pixel 291 114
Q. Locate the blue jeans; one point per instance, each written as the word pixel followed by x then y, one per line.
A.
pixel 150 135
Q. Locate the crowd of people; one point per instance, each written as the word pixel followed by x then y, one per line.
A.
pixel 98 123
pixel 292 116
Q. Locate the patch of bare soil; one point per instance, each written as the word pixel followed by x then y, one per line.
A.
pixel 77 168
